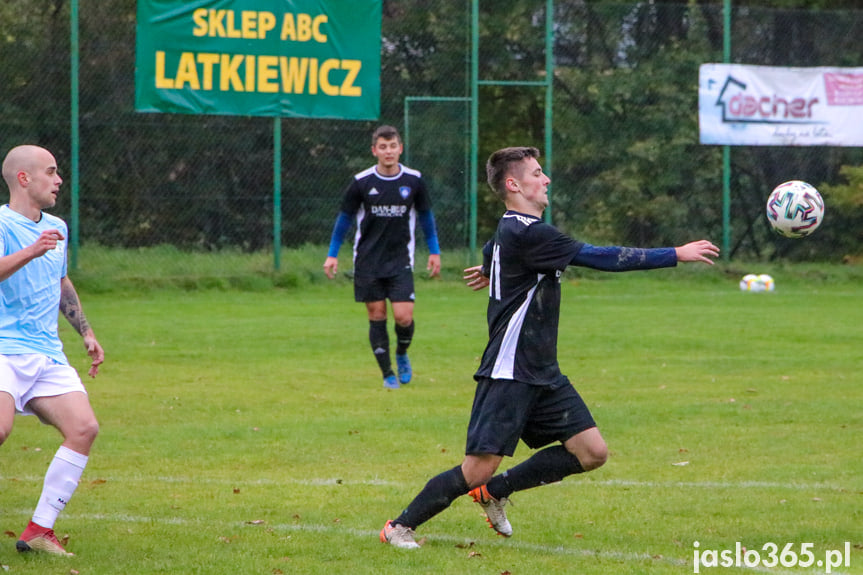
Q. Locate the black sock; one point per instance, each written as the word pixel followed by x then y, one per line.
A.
pixel 380 340
pixel 546 466
pixel 404 336
pixel 437 495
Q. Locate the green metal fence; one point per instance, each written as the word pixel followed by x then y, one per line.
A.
pixel 627 167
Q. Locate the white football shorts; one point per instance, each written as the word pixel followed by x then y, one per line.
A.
pixel 31 375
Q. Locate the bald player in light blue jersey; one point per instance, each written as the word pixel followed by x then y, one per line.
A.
pixel 35 376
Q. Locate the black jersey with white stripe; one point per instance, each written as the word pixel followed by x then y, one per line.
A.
pixel 385 208
pixel 525 261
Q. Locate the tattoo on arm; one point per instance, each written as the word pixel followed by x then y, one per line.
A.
pixel 632 256
pixel 70 307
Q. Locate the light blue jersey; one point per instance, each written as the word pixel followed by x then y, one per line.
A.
pixel 30 298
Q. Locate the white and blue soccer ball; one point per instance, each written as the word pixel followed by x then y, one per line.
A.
pixel 795 209
pixel 757 283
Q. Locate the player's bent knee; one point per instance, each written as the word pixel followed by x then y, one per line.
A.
pixel 594 458
pixel 403 318
pixel 85 433
pixel 478 470
pixel 476 476
pixel 92 430
pixel 589 447
pixel 591 455
pixel 477 480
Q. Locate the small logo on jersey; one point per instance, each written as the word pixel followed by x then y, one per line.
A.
pixel 389 211
pixel 405 191
pixel 374 192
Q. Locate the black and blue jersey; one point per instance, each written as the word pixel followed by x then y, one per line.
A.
pixel 386 210
pixel 524 262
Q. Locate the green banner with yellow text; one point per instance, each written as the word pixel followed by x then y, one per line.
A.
pixel 288 58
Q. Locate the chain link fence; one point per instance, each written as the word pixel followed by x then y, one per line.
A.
pixel 627 165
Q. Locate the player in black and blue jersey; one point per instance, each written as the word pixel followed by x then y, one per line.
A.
pixel 521 392
pixel 386 200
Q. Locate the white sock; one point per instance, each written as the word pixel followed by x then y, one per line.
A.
pixel 61 480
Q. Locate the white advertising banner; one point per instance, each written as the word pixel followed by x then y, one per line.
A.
pixel 742 105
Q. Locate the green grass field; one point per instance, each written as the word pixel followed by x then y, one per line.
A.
pixel 245 429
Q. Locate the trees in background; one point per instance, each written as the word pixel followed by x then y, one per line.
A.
pixel 627 166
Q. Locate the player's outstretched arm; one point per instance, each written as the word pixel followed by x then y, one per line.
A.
pixel 698 251
pixel 474 278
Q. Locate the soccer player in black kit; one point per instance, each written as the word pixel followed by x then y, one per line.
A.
pixel 520 392
pixel 387 200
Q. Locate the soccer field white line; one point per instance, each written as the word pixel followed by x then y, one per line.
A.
pixel 558 550
pixel 372 535
pixel 329 481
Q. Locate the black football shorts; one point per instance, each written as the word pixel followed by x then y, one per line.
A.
pixel 398 288
pixel 505 411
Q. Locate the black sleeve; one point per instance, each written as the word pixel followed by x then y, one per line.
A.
pixel 548 249
pixel 422 200
pixel 353 198
pixel 487 250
